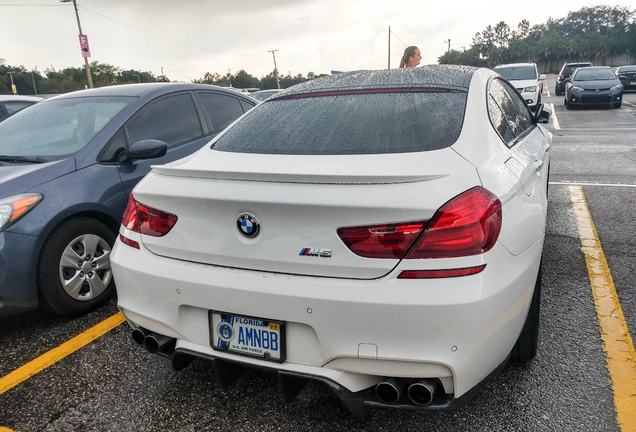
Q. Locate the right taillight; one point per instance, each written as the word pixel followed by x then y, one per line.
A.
pixel 469 224
pixel 147 220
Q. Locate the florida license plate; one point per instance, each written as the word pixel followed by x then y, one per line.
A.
pixel 249 336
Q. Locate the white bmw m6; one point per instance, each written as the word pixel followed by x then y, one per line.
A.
pixel 378 231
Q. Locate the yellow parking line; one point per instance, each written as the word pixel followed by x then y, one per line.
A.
pixel 56 354
pixel 3 429
pixel 619 348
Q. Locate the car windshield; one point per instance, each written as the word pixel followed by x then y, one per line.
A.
pixel 369 123
pixel 626 69
pixel 512 73
pixel 589 74
pixel 57 128
pixel 262 95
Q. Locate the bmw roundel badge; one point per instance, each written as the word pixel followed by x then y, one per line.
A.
pixel 248 225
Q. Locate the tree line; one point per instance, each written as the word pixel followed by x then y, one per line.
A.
pixel 52 81
pixel 590 33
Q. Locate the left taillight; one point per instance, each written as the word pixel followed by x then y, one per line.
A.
pixel 147 220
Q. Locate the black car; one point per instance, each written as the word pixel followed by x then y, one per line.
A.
pixel 67 166
pixel 627 75
pixel 597 85
pixel 564 76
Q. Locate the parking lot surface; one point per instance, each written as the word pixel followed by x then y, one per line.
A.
pixel 109 383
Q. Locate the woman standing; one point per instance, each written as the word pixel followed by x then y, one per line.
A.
pixel 411 57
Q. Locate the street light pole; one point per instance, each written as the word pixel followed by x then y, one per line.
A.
pixel 13 89
pixel 138 80
pixel 275 68
pixel 33 79
pixel 79 26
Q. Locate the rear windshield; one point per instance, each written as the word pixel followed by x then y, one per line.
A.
pixel 369 123
pixel 626 69
pixel 512 73
pixel 567 70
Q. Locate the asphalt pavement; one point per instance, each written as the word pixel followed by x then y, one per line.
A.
pixel 111 384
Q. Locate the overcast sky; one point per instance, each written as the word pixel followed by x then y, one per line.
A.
pixel 189 38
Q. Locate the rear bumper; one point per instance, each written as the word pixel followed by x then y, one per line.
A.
pixel 18 289
pixel 350 333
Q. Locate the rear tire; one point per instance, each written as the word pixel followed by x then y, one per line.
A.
pixel 74 271
pixel 556 90
pixel 525 348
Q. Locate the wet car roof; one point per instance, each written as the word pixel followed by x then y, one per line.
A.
pixel 435 76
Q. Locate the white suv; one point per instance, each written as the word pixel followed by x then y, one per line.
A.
pixel 526 79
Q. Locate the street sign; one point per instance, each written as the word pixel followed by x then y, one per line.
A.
pixel 86 51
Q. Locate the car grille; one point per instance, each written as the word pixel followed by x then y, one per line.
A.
pixel 594 98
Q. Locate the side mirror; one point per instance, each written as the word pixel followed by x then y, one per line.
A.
pixel 144 149
pixel 543 113
pixel 542 77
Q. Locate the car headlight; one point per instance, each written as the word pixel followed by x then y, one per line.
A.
pixel 530 89
pixel 13 208
pixel 617 87
pixel 575 88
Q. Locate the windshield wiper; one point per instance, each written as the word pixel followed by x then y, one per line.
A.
pixel 4 158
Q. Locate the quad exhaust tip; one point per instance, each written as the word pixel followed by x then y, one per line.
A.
pixel 153 342
pixel 420 392
pixel 389 391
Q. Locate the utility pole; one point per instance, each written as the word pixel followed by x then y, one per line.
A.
pixel 33 79
pixel 448 45
pixel 275 68
pixel 389 65
pixel 79 26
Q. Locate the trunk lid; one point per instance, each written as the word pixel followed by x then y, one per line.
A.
pixel 299 203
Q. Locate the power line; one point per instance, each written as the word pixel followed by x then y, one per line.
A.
pixel 392 32
pixel 21 5
pixel 162 37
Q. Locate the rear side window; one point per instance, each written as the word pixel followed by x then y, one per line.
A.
pixel 508 113
pixel 368 123
pixel 221 109
pixel 173 120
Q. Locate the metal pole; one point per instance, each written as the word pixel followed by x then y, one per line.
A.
pixel 275 68
pixel 86 65
pixel 33 79
pixel 449 45
pixel 389 65
pixel 11 75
